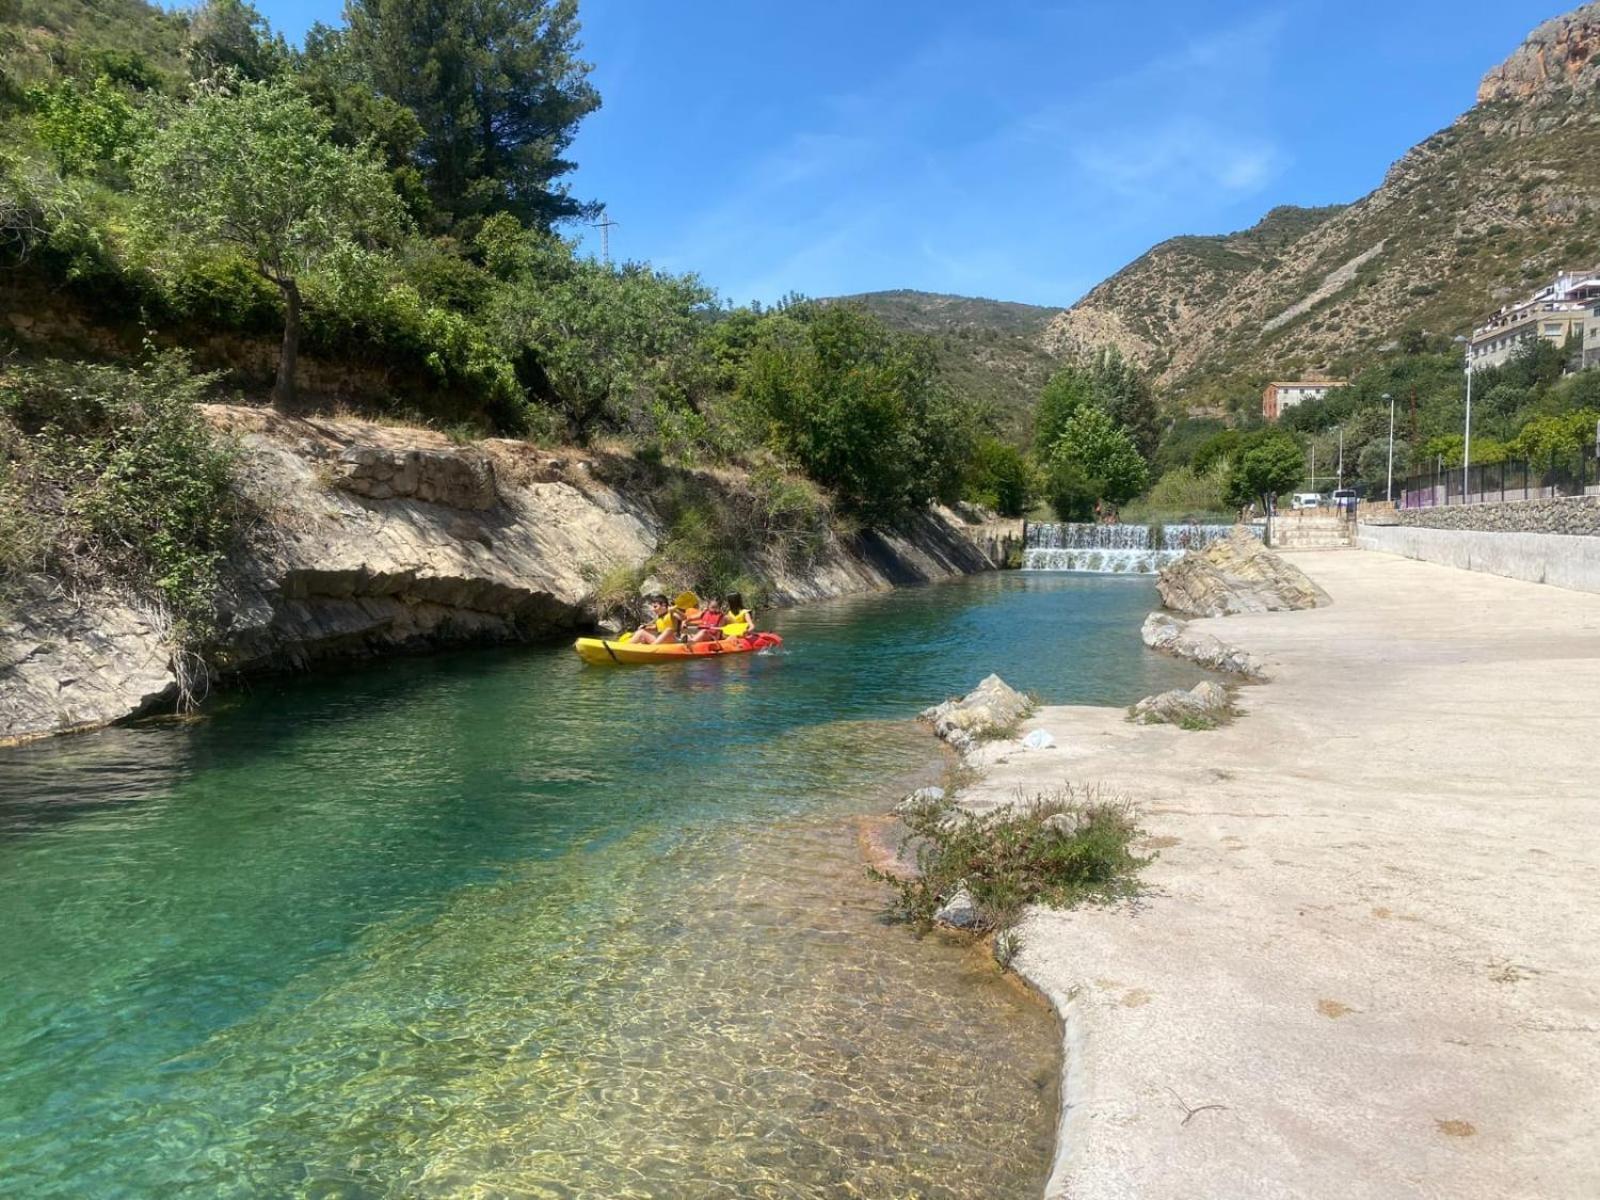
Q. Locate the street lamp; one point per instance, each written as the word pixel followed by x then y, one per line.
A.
pixel 1466 439
pixel 1389 491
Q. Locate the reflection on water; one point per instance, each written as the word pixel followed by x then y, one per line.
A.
pixel 502 924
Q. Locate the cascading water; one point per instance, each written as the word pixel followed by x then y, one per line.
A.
pixel 1114 549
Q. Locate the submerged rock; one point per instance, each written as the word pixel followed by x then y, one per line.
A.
pixel 920 798
pixel 1206 705
pixel 1236 574
pixel 960 911
pixel 991 708
pixel 1163 631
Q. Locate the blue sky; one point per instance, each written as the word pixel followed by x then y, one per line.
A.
pixel 1016 150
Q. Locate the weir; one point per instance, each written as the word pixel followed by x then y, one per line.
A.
pixel 1114 549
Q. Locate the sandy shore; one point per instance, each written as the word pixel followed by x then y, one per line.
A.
pixel 1373 931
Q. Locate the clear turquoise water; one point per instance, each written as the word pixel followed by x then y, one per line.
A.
pixel 501 924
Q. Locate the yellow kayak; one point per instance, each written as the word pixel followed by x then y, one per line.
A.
pixel 608 651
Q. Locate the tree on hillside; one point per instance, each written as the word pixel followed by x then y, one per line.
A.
pixel 230 35
pixel 499 91
pixel 1122 390
pixel 1069 389
pixel 1093 460
pixel 1267 468
pixel 255 173
pixel 859 409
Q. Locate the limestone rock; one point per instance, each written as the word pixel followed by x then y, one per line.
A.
pixel 988 709
pixel 70 663
pixel 1066 824
pixel 920 798
pixel 960 911
pixel 1236 574
pixel 1163 631
pixel 1562 53
pixel 456 478
pixel 1205 705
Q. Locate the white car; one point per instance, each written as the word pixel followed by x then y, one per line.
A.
pixel 1306 500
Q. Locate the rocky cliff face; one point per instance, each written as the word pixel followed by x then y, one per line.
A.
pixel 371 540
pixel 1481 211
pixel 1562 54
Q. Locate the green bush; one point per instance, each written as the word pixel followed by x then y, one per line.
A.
pixel 1058 850
pixel 137 486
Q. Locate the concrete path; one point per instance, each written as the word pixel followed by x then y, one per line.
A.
pixel 1374 932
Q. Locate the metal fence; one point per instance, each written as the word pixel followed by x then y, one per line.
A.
pixel 1575 473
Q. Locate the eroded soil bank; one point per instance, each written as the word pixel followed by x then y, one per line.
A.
pixel 1367 961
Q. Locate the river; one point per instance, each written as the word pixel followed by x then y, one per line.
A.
pixel 501 924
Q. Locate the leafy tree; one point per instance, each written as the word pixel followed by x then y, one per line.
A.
pixel 1220 447
pixel 1069 389
pixel 498 89
pixel 1270 466
pixel 1000 477
pixel 1543 439
pixel 1094 460
pixel 255 173
pixel 86 129
pixel 598 343
pixel 1122 390
pixel 858 409
pixel 231 36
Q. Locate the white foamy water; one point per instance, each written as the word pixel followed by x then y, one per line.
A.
pixel 1113 549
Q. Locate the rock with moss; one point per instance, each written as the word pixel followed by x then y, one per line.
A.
pixel 1236 574
pixel 1204 706
pixel 991 710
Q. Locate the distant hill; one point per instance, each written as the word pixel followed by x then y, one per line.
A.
pixel 1484 210
pixel 990 350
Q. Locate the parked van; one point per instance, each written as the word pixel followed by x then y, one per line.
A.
pixel 1306 500
pixel 1344 499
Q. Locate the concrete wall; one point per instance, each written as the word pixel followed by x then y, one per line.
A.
pixel 1561 560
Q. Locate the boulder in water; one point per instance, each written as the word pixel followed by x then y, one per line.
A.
pixel 990 709
pixel 960 911
pixel 1236 574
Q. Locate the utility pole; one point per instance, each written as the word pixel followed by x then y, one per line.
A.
pixel 604 226
pixel 1466 441
pixel 1340 480
pixel 1389 491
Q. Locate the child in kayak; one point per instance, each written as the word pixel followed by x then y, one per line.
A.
pixel 714 623
pixel 663 625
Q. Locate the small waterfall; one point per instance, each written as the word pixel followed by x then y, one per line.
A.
pixel 1114 549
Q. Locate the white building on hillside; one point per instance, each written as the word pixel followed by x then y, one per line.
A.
pixel 1281 396
pixel 1563 309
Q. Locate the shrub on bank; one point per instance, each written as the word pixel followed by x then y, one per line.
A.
pixel 110 474
pixel 1058 849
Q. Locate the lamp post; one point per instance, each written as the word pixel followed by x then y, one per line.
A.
pixel 1389 490
pixel 1339 480
pixel 1466 439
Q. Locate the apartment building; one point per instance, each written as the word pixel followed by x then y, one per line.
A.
pixel 1562 309
pixel 1281 396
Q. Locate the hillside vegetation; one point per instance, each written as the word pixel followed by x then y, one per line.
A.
pixel 1481 211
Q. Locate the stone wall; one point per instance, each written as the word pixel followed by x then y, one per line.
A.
pixel 1560 560
pixel 1570 515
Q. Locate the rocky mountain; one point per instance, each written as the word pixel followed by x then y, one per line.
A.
pixel 990 350
pixel 1484 210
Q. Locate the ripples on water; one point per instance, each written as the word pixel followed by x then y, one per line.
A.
pixel 501 924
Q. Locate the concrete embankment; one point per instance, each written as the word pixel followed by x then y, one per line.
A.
pixel 370 539
pixel 1368 961
pixel 1563 560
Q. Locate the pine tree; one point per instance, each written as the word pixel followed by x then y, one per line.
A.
pixel 499 91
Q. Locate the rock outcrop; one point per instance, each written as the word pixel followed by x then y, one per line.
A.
pixel 1236 574
pixel 1204 706
pixel 370 539
pixel 69 663
pixel 1562 54
pixel 1163 631
pixel 991 708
